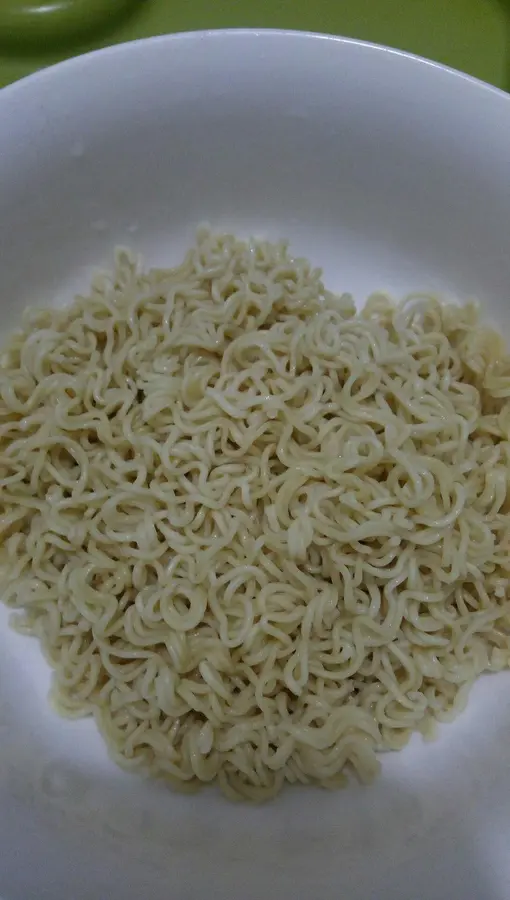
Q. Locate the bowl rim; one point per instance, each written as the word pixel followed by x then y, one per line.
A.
pixel 75 63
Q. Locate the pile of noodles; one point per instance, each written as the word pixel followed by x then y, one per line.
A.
pixel 259 536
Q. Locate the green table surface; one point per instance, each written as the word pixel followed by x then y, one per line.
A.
pixel 472 35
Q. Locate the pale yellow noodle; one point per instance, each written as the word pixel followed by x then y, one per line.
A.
pixel 259 536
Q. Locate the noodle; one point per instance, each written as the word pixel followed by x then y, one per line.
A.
pixel 260 537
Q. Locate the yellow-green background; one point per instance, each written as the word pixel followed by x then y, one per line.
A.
pixel 472 35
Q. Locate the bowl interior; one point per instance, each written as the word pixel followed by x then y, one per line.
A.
pixel 391 173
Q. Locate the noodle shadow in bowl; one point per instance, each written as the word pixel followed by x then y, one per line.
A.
pixel 419 826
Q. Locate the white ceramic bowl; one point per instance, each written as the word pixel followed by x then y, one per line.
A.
pixel 389 171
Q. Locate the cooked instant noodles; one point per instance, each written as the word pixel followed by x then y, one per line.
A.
pixel 259 536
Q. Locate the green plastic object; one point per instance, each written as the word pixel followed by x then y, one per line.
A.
pixel 471 35
pixel 26 23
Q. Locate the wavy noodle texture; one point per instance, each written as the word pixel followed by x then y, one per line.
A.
pixel 259 536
